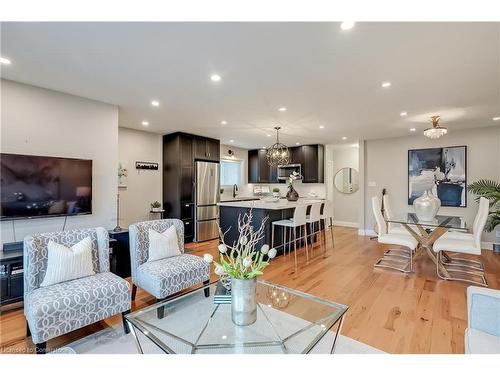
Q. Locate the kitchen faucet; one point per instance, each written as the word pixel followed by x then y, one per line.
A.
pixel 235 189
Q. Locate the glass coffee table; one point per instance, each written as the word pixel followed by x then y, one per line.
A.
pixel 288 321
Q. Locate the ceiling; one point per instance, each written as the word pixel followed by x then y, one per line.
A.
pixel 323 75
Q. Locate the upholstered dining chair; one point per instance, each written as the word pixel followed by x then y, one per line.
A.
pixel 164 277
pixel 389 215
pixel 54 310
pixel 463 243
pixel 401 260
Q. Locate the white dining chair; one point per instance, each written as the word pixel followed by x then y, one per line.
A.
pixel 389 215
pixel 401 260
pixel 472 271
pixel 314 221
pixel 327 220
pixel 297 222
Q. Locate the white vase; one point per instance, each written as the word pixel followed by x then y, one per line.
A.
pixel 426 206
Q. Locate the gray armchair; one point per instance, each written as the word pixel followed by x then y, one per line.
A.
pixel 54 310
pixel 167 276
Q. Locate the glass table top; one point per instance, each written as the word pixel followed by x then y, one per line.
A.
pixel 288 321
pixel 454 222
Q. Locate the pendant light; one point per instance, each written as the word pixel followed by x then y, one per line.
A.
pixel 437 130
pixel 278 153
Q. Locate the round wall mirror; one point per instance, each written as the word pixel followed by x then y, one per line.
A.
pixel 346 180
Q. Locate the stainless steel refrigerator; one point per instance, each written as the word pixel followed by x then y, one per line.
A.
pixel 207 197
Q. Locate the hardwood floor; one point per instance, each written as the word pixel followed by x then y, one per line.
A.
pixel 415 313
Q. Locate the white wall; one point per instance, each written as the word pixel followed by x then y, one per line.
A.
pixel 142 186
pixel 386 165
pixel 346 208
pixel 38 121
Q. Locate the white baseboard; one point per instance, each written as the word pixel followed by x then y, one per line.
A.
pixel 349 224
pixel 487 245
pixel 366 232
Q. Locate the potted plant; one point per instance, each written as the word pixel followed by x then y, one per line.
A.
pixel 276 192
pixel 490 190
pixel 156 206
pixel 243 262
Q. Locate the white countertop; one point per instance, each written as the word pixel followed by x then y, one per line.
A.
pixel 282 204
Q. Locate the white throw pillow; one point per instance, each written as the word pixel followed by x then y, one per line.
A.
pixel 66 263
pixel 163 245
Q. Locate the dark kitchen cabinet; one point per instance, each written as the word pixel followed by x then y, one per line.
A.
pixel 206 149
pixel 180 150
pixel 259 171
pixel 313 163
pixel 310 157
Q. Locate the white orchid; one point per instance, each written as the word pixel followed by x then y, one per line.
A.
pixel 244 260
pixel 208 258
pixel 247 262
pixel 219 270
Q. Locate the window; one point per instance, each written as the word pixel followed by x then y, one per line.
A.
pixel 230 172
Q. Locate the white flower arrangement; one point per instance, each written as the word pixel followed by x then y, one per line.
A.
pixel 122 172
pixel 293 177
pixel 243 260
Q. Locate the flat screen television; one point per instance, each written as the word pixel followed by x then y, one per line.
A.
pixel 43 186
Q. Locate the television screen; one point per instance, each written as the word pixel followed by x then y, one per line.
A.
pixel 38 186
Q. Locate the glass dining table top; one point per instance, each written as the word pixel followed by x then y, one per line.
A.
pixel 452 222
pixel 288 322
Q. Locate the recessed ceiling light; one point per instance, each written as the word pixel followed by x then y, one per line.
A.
pixel 282 109
pixel 4 60
pixel 231 140
pixel 322 126
pixel 297 143
pixel 223 122
pixel 386 84
pixel 145 123
pixel 155 103
pixel 268 135
pixel 496 118
pixel 344 138
pixel 347 25
pixel 215 78
pixel 412 129
pixel 403 114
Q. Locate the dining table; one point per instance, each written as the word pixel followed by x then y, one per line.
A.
pixel 427 232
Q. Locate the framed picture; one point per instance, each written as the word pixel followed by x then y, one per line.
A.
pixel 443 171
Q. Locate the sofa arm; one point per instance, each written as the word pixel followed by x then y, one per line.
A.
pixel 483 309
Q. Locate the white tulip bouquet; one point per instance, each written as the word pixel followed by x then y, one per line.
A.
pixel 242 260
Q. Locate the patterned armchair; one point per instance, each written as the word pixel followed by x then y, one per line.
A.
pixel 167 276
pixel 54 310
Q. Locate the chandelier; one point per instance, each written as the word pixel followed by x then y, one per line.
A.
pixel 437 130
pixel 278 153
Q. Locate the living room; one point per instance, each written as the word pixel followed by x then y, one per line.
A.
pixel 233 192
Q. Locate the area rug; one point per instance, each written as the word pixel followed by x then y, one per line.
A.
pixel 112 340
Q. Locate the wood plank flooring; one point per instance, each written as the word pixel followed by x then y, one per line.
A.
pixel 415 313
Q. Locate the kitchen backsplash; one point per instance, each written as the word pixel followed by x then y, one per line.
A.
pixel 303 189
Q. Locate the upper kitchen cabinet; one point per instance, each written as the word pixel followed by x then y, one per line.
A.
pixel 313 163
pixel 206 149
pixel 258 169
pixel 310 157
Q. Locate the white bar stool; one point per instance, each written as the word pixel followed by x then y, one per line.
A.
pixel 327 218
pixel 298 221
pixel 314 219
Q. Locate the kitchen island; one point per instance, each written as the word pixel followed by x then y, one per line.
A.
pixel 283 209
